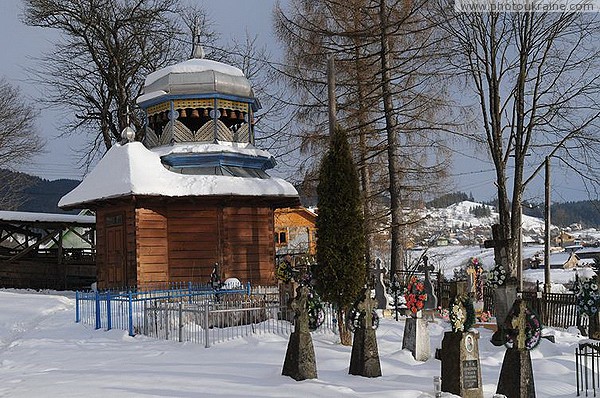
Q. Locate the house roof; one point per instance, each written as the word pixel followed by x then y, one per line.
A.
pixel 22 217
pixel 132 169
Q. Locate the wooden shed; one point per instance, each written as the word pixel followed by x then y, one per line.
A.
pixel 37 253
pixel 194 196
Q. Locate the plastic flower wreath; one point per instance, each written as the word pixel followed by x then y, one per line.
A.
pixel 533 327
pixel 588 297
pixel 415 295
pixel 496 277
pixel 462 314
pixel 355 319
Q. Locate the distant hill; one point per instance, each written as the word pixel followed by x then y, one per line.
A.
pixel 586 212
pixel 41 195
pixel 38 194
pixel 449 199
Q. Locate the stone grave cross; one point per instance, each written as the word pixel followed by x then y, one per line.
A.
pixel 364 360
pixel 299 361
pixel 499 245
pixel 431 302
pixel 377 273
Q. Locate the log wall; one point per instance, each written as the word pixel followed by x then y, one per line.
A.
pixel 36 273
pixel 181 241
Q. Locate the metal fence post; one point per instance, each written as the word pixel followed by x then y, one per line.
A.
pixel 130 297
pixel 180 322
pixel 108 320
pixel 77 314
pixel 146 318
pixel 248 289
pixel 98 324
pixel 167 323
pixel 190 292
pixel 206 330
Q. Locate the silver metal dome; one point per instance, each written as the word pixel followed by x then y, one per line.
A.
pixel 198 76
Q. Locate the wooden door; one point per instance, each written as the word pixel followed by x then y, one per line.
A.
pixel 116 264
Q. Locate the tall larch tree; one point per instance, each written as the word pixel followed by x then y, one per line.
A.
pixel 391 98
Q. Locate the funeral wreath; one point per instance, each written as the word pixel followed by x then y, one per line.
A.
pixel 461 314
pixel 415 295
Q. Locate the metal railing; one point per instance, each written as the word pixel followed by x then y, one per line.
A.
pixel 196 314
pixel 587 367
pixel 124 309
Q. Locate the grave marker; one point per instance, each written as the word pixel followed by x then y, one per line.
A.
pixel 364 360
pixel 300 361
pixel 431 302
pixel 379 285
pixel 461 370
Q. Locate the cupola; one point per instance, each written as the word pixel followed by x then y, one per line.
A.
pixel 198 100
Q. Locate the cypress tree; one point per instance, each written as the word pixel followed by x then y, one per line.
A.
pixel 340 272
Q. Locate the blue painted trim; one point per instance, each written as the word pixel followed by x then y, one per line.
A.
pixel 254 103
pixel 108 314
pixel 217 160
pixel 98 324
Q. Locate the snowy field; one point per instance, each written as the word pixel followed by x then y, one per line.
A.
pixel 43 353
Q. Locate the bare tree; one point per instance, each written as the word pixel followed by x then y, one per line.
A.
pixel 389 98
pixel 536 79
pixel 107 47
pixel 19 142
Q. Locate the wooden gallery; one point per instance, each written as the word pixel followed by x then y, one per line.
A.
pixel 192 194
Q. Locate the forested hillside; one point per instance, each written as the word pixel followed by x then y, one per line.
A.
pixel 31 193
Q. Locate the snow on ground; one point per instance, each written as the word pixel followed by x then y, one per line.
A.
pixel 43 353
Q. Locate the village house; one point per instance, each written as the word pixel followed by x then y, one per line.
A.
pixel 295 232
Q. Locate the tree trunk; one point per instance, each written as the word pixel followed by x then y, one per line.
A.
pixel 392 144
pixel 345 334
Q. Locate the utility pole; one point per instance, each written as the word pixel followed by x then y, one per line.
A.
pixel 547 281
pixel 331 94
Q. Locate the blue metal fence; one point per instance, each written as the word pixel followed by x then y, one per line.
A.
pixel 124 309
pixel 192 313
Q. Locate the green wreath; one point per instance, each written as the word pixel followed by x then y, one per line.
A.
pixel 316 311
pixel 496 277
pixel 461 314
pixel 354 319
pixel 284 271
pixel 588 297
pixel 533 328
pixel 355 316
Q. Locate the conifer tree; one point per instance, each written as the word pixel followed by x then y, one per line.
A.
pixel 341 270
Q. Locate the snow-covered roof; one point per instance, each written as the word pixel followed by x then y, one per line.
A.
pixel 132 169
pixel 194 65
pixel 196 76
pixel 28 217
pixel 221 146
